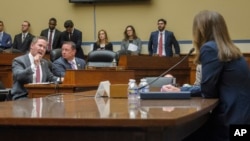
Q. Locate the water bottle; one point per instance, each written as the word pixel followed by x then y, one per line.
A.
pixel 114 63
pixel 133 101
pixel 144 86
pixel 132 90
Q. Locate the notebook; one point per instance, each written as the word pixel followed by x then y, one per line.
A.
pixel 165 95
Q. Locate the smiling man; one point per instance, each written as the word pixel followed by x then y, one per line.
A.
pixel 31 68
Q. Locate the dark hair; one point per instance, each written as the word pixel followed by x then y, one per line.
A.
pixel 1 22
pixel 162 20
pixel 72 44
pixel 126 35
pixel 68 23
pixel 53 19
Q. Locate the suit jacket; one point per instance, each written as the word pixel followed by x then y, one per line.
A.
pixel 77 39
pixel 169 42
pixel 108 46
pixel 137 42
pixel 23 74
pixel 230 82
pixel 6 41
pixel 60 66
pixel 57 37
pixel 25 45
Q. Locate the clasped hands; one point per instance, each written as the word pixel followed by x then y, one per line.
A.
pixel 170 88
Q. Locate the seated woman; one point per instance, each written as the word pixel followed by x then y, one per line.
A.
pixel 131 41
pixel 103 43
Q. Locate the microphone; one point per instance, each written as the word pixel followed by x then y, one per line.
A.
pixel 164 73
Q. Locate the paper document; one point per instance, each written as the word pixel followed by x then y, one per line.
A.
pixel 132 47
pixel 103 89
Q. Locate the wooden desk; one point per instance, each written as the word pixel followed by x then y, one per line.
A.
pixel 148 66
pixel 79 116
pixel 80 80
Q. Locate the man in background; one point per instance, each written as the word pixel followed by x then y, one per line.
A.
pixel 23 40
pixel 68 60
pixel 31 68
pixel 162 41
pixel 74 35
pixel 52 34
pixel 5 38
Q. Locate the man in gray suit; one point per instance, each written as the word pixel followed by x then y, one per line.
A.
pixel 68 60
pixel 31 68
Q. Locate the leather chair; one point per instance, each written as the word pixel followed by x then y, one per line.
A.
pixel 55 54
pixel 101 58
pixel 161 81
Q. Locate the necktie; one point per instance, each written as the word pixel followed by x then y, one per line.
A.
pixel 70 36
pixel 50 40
pixel 160 45
pixel 1 36
pixel 23 37
pixel 38 79
pixel 73 67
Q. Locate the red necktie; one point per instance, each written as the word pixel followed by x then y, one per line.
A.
pixel 160 45
pixel 38 74
pixel 50 40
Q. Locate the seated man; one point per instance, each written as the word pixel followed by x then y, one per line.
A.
pixel 31 68
pixel 68 60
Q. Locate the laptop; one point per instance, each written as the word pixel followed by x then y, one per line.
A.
pixel 166 95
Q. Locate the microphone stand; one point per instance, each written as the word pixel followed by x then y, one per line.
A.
pixel 164 73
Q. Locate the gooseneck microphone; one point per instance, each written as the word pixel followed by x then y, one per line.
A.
pixel 164 73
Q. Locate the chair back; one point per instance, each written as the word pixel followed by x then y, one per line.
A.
pixel 55 54
pixel 101 58
pixel 161 81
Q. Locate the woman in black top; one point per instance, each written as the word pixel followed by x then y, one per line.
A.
pixel 103 43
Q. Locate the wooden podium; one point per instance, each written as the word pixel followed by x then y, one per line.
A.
pixel 148 66
pixel 90 78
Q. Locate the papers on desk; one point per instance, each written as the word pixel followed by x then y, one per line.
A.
pixel 39 83
pixel 103 89
pixel 132 47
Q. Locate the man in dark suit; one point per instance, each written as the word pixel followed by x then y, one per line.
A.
pixel 52 34
pixel 31 68
pixel 68 60
pixel 161 41
pixel 74 35
pixel 5 38
pixel 23 40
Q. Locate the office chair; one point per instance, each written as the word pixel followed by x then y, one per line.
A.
pixel 55 54
pixel 101 58
pixel 122 52
pixel 161 81
pixel 12 50
pixel 4 93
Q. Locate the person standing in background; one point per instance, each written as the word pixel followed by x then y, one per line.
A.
pixel 74 35
pixel 131 42
pixel 68 60
pixel 53 35
pixel 23 40
pixel 162 41
pixel 103 42
pixel 5 38
pixel 225 75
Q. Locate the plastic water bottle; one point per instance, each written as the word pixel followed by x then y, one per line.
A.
pixel 132 90
pixel 145 86
pixel 133 101
pixel 114 63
